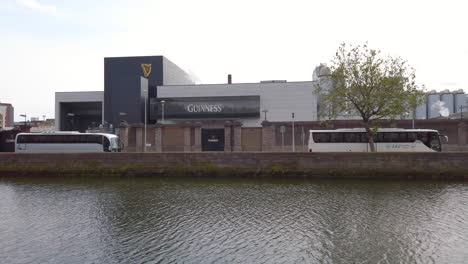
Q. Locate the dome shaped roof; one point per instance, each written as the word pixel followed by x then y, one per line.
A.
pixel 320 71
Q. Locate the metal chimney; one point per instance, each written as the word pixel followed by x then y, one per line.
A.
pixel 229 79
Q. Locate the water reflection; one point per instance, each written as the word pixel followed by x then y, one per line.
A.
pixel 236 221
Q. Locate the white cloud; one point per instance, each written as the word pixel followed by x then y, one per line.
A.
pixel 36 6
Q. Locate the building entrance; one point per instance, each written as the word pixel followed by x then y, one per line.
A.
pixel 212 139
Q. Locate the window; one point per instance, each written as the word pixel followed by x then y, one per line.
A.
pixel 336 137
pixel 106 144
pixel 62 139
pixel 435 143
pixel 380 137
pixel 403 136
pixel 390 137
pixel 321 137
pixel 340 137
pixel 364 137
pixel 21 139
pixel 423 137
pixel 352 137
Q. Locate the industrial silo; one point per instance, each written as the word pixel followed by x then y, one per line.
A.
pixel 432 98
pixel 460 101
pixel 448 98
pixel 421 110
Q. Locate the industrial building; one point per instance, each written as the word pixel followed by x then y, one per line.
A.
pixel 145 91
pixel 123 94
pixel 442 104
pixel 155 106
pixel 6 116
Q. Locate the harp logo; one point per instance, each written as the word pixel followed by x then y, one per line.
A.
pixel 146 69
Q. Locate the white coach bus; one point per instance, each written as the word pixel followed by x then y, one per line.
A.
pixel 386 139
pixel 67 142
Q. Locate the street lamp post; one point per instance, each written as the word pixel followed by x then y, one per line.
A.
pixel 412 118
pixel 24 120
pixel 162 111
pixel 146 98
pixel 293 135
pixel 461 110
pixel 265 111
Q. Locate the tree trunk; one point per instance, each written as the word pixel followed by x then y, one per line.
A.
pixel 370 137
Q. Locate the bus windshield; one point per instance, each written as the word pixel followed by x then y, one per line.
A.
pixel 434 142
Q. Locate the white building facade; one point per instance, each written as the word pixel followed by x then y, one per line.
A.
pixel 273 101
pixel 78 110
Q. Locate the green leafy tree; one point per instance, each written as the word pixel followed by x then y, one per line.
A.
pixel 374 87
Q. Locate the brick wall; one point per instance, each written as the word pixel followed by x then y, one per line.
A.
pixel 244 164
pixel 270 138
pixel 251 139
pixel 173 139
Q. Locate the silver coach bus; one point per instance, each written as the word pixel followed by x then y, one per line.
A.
pixel 386 139
pixel 61 142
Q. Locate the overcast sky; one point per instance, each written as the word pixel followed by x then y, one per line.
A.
pixel 58 45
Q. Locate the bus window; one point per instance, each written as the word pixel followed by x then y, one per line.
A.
pixel 364 138
pixel 379 137
pixel 321 137
pixel 336 137
pixel 390 137
pixel 21 139
pixel 106 144
pixel 94 139
pixel 435 142
pixel 351 137
pixel 423 137
pixel 402 137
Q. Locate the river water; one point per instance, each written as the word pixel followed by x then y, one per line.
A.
pixel 232 221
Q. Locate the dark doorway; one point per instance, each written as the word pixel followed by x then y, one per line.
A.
pixel 213 139
pixel 80 116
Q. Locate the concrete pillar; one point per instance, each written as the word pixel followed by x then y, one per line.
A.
pixel 123 134
pixel 158 138
pixel 237 125
pixel 197 144
pixel 139 139
pixel 187 143
pixel 268 136
pixel 462 133
pixel 228 136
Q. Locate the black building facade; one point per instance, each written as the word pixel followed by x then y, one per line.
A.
pixel 124 96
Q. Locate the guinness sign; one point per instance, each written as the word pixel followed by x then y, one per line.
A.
pixel 206 107
pixel 211 108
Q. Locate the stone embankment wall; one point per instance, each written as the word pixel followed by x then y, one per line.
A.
pixel 250 165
